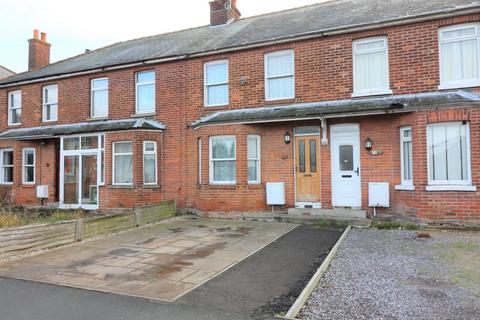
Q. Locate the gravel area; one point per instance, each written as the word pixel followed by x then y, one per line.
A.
pixel 393 274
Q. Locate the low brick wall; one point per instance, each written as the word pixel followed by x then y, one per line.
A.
pixel 25 239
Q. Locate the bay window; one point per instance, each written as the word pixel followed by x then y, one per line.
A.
pixel 253 152
pixel 28 163
pixel 123 163
pixel 223 160
pixel 279 75
pixel 14 107
pixel 448 154
pixel 459 56
pixel 149 162
pixel 370 67
pixel 50 103
pixel 216 83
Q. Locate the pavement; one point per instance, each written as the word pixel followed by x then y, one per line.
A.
pixel 261 285
pixel 161 262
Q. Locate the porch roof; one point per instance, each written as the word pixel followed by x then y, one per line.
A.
pixel 340 108
pixel 51 131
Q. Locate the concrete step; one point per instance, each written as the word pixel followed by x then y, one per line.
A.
pixel 336 213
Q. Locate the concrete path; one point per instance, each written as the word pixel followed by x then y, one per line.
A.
pixel 161 262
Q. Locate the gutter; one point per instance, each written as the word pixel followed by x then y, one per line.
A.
pixel 295 37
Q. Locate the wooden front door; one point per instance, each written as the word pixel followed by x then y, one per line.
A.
pixel 307 168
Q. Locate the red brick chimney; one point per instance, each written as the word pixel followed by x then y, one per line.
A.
pixel 223 12
pixel 38 51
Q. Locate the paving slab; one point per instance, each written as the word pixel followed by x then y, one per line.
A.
pixel 161 262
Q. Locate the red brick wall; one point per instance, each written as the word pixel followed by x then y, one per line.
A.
pixel 323 71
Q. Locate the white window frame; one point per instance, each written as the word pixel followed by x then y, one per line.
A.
pixel 287 75
pixel 138 84
pixel 25 165
pixel 2 166
pixel 207 85
pixel 154 152
pixel 199 146
pixel 458 83
pixel 45 104
pixel 258 158
pixel 405 184
pixel 92 101
pixel 211 160
pixel 450 185
pixel 122 154
pixel 373 91
pixel 12 108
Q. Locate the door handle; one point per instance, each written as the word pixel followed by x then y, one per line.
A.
pixel 357 171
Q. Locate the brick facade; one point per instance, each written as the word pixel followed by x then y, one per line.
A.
pixel 323 71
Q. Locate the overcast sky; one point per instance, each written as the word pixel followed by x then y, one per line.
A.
pixel 73 26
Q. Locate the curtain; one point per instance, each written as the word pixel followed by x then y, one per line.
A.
pixel 149 168
pixel 123 169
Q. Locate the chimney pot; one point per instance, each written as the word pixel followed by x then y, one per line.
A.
pixel 223 12
pixel 36 34
pixel 43 36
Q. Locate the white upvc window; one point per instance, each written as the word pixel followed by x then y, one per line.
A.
pixel 15 107
pixel 122 163
pixel 6 162
pixel 280 75
pixel 406 156
pixel 28 164
pixel 102 160
pixel 199 146
pixel 370 67
pixel 253 153
pixel 50 103
pixel 99 97
pixel 448 154
pixel 459 56
pixel 216 83
pixel 223 162
pixel 145 92
pixel 149 162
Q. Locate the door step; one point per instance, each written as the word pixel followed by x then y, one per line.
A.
pixel 334 214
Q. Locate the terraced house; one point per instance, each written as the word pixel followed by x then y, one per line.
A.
pixel 357 104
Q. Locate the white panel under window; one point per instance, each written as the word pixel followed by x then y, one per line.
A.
pixel 216 83
pixel 448 153
pixel 459 56
pixel 223 160
pixel 370 57
pixel 253 153
pixel 279 75
pixel 122 163
pixel 145 92
pixel 406 160
pixel 99 97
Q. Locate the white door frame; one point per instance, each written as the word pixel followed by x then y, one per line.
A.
pixel 352 131
pixel 85 152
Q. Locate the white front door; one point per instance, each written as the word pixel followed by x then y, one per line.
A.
pixel 345 154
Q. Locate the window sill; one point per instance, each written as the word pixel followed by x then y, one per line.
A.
pixel 117 186
pixel 142 115
pixel 279 101
pixel 6 183
pixel 96 119
pixel 151 186
pixel 372 93
pixel 219 186
pixel 212 106
pixel 49 121
pixel 459 85
pixel 404 187
pixel 28 185
pixel 14 124
pixel 467 188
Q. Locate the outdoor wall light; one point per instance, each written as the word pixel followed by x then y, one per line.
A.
pixel 368 144
pixel 288 137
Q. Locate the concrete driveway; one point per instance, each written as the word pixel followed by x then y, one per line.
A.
pixel 162 262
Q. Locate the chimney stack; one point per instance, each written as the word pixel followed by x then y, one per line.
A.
pixel 38 51
pixel 223 12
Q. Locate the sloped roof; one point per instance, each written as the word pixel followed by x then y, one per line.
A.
pixel 338 108
pixel 283 25
pixel 5 73
pixel 44 132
